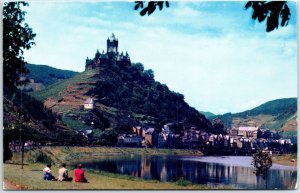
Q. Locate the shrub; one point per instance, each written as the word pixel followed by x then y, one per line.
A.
pixel 43 158
pixel 182 182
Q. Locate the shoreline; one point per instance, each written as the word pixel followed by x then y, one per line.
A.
pixel 59 154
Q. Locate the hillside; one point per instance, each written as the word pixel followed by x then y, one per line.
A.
pixel 125 95
pixel 47 75
pixel 207 114
pixel 280 114
pixel 25 118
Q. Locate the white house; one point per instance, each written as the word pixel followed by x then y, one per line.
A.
pixel 89 103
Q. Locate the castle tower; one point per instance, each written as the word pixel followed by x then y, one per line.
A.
pixel 112 46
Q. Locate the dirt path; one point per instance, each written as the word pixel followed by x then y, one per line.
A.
pixel 7 185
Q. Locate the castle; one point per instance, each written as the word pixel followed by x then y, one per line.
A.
pixel 111 56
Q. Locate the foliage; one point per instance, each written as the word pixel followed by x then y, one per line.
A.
pixel 262 161
pixel 141 100
pixel 42 158
pixel 47 75
pixel 274 12
pixel 207 114
pixel 151 6
pixel 218 126
pixel 17 36
pixel 182 182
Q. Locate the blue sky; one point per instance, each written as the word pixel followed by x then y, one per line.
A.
pixel 212 52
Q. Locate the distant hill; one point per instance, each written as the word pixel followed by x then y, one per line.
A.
pixel 47 75
pixel 207 114
pixel 280 114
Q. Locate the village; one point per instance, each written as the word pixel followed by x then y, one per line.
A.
pixel 241 140
pixel 236 140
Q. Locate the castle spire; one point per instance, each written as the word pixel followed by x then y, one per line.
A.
pixel 97 54
pixel 112 37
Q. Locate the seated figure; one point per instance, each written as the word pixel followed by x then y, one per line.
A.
pixel 47 173
pixel 63 174
pixel 79 174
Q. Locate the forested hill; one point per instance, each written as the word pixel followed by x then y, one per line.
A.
pixel 125 95
pixel 277 114
pixel 135 90
pixel 48 75
pixel 286 106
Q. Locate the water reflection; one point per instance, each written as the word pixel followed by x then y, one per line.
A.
pixel 170 168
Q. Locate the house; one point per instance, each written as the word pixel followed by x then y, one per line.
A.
pixel 174 140
pixel 89 104
pixel 248 132
pixel 139 131
pixel 151 137
pixel 161 140
pixel 233 132
pixel 129 140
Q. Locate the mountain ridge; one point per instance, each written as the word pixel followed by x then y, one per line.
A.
pixel 278 114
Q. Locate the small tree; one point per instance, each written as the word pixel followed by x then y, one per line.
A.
pixel 262 161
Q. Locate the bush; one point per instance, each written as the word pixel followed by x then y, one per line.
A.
pixel 182 182
pixel 43 158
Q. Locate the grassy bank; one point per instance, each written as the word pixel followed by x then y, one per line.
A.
pixel 58 155
pixel 286 159
pixel 31 178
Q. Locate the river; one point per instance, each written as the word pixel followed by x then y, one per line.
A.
pixel 233 171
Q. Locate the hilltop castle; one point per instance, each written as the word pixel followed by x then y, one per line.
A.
pixel 112 55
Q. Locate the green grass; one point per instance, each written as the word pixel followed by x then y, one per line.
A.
pixel 31 178
pixel 75 124
pixel 56 90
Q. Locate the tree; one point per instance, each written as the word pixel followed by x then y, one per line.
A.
pixel 273 11
pixel 151 6
pixel 17 36
pixel 262 161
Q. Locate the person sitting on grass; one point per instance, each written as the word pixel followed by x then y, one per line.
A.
pixel 79 174
pixel 63 174
pixel 47 173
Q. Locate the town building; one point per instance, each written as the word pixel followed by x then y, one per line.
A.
pixel 89 104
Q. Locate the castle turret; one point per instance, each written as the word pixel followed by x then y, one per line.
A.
pixel 97 55
pixel 88 64
pixel 112 46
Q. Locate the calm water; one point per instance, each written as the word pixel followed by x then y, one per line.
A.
pixel 211 170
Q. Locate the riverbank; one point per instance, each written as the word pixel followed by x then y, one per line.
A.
pixel 30 178
pixel 61 154
pixel 286 159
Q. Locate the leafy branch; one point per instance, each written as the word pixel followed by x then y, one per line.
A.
pixel 151 6
pixel 273 12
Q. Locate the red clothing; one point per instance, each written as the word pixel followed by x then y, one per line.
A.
pixel 79 175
